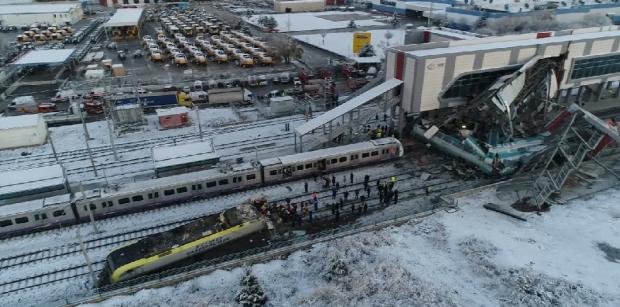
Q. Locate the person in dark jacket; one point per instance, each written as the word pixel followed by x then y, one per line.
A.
pixel 333 180
pixel 395 197
pixel 346 195
pixel 351 177
pixel 334 191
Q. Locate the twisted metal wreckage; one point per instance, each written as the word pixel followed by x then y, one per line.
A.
pixel 515 127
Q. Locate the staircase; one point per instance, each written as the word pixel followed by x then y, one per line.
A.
pixel 565 158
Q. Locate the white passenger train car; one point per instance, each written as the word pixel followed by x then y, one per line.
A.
pixel 62 210
pixel 330 159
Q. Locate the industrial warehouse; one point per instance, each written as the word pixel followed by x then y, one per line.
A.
pixel 302 152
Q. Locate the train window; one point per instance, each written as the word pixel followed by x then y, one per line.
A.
pixel 234 179
pixel 106 204
pixel 137 198
pixel 334 161
pixel 222 182
pixel 354 157
pixel 156 194
pixel 385 151
pixel 273 172
pixel 250 177
pixel 150 195
pixel 300 167
pixel 196 187
pixel 58 213
pixel 210 184
pixel 309 165
pixel 374 153
pixel 239 179
pixel 21 220
pixel 182 190
pixel 123 201
pixel 43 216
pixel 36 217
pixel 342 159
pixel 168 192
pixel 365 155
pixel 6 223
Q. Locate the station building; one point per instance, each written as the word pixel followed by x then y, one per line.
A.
pixel 446 74
pixel 53 13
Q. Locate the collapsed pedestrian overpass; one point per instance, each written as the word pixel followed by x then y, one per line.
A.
pixel 346 122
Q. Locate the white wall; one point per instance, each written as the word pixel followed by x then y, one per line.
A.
pixel 26 136
pixel 60 18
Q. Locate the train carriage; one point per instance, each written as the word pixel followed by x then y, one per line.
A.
pixel 330 159
pixel 160 250
pixel 178 188
pixel 36 214
pixel 144 195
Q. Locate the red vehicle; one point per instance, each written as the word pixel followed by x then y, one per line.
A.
pixel 46 107
pixel 93 107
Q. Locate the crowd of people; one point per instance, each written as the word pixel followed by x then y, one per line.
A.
pixel 353 199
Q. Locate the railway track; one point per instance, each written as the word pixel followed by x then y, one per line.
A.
pixel 66 250
pixel 107 150
pixel 148 159
pixel 80 270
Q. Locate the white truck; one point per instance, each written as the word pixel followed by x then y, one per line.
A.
pixel 229 95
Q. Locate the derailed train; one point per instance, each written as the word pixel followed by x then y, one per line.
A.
pixel 203 236
pixel 64 210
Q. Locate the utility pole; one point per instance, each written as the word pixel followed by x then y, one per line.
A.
pixel 429 22
pixel 90 212
pixel 88 262
pixel 111 133
pixel 49 139
pixel 198 119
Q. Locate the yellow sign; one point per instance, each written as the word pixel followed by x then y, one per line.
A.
pixel 361 39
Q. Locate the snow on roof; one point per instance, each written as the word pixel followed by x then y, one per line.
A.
pixel 280 98
pixel 348 106
pixel 14 181
pixel 22 121
pixel 171 111
pixel 324 153
pixel 24 100
pixel 165 156
pixel 125 17
pixel 341 43
pixel 205 175
pixel 45 56
pixel 38 8
pixel 290 22
pixel 480 45
pixel 35 204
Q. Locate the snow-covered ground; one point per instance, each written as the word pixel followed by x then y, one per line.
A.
pixel 292 22
pixel 342 43
pixel 230 139
pixel 464 257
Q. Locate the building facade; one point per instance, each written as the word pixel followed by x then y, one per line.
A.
pixel 53 13
pixel 441 75
pixel 298 6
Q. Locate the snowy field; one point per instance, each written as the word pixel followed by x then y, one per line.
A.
pixel 342 43
pixel 292 22
pixel 464 257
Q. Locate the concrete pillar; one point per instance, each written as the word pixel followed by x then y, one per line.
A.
pixel 579 95
pixel 567 96
pixel 351 126
pixel 601 91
